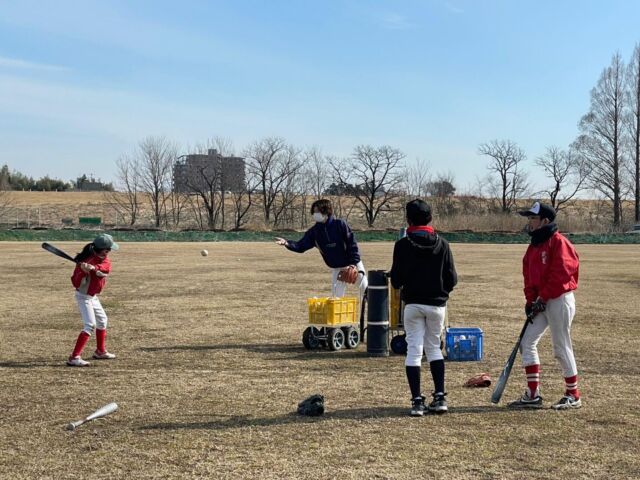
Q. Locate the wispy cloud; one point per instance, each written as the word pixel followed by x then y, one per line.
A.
pixel 453 8
pixel 18 64
pixel 395 21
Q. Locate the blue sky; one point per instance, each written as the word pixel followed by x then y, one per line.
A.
pixel 82 82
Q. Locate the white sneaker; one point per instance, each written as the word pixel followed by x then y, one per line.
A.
pixel 77 362
pixel 103 356
pixel 567 402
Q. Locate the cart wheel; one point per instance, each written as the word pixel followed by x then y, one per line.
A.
pixel 336 339
pixel 352 337
pixel 399 344
pixel 310 338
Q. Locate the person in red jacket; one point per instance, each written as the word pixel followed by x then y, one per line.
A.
pixel 550 269
pixel 89 278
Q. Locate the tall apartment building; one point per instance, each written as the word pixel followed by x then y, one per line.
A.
pixel 195 172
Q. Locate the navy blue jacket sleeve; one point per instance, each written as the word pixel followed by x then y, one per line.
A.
pixel 353 252
pixel 307 242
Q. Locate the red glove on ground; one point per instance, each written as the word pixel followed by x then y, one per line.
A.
pixel 480 380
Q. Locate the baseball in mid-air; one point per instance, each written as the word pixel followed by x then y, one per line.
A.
pixel 204 253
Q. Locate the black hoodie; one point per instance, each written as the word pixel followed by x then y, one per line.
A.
pixel 423 267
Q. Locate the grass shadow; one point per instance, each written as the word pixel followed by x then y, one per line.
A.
pixel 33 364
pixel 246 421
pixel 234 422
pixel 252 347
pixel 287 352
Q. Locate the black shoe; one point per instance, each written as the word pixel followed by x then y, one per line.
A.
pixel 526 402
pixel 439 403
pixel 418 408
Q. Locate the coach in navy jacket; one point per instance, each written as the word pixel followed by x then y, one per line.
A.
pixel 336 243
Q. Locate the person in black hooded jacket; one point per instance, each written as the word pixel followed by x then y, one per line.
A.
pixel 423 268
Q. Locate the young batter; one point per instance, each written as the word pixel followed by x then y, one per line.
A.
pixel 550 269
pixel 337 245
pixel 423 267
pixel 89 278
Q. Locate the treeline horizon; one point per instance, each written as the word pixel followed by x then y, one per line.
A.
pixel 604 159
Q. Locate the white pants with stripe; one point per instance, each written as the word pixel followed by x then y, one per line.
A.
pixel 339 289
pixel 557 317
pixel 423 325
pixel 92 313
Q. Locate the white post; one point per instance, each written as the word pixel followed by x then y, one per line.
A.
pixel 29 218
pixel 39 218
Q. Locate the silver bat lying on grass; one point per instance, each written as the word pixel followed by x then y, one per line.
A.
pixel 506 371
pixel 101 412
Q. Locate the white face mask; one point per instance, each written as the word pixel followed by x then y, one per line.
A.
pixel 318 217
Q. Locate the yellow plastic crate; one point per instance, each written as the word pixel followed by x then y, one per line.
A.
pixel 332 310
pixel 395 314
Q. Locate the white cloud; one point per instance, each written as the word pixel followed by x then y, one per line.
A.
pixel 452 8
pixel 395 21
pixel 15 63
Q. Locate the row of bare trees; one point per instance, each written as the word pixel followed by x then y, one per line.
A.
pixel 605 158
pixel 609 137
pixel 280 178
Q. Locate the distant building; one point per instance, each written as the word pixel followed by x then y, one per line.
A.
pixel 195 172
pixel 90 184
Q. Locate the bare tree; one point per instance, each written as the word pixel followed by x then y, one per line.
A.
pixel 204 182
pixel 602 136
pixel 508 181
pixel 374 174
pixel 417 177
pixel 292 189
pixel 7 203
pixel 243 200
pixel 6 200
pixel 569 173
pixel 224 147
pixel 127 196
pixel 5 178
pixel 268 160
pixel 313 180
pixel 175 205
pixel 317 170
pixel 633 122
pixel 210 180
pixel 155 159
pixel 195 203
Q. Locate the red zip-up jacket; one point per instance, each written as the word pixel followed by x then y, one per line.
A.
pixel 93 282
pixel 550 269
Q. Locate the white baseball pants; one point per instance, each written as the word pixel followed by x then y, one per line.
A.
pixel 558 317
pixel 92 313
pixel 423 325
pixel 339 289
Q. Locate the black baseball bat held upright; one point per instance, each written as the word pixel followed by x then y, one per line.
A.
pixel 56 251
pixel 506 371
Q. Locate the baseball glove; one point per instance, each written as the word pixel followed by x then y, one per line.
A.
pixel 312 406
pixel 480 380
pixel 348 274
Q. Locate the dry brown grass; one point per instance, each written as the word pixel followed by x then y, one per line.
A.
pixel 210 368
pixel 50 208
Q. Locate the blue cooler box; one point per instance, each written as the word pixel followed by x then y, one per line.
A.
pixel 464 344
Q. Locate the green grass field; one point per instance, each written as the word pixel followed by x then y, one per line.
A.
pixel 211 366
